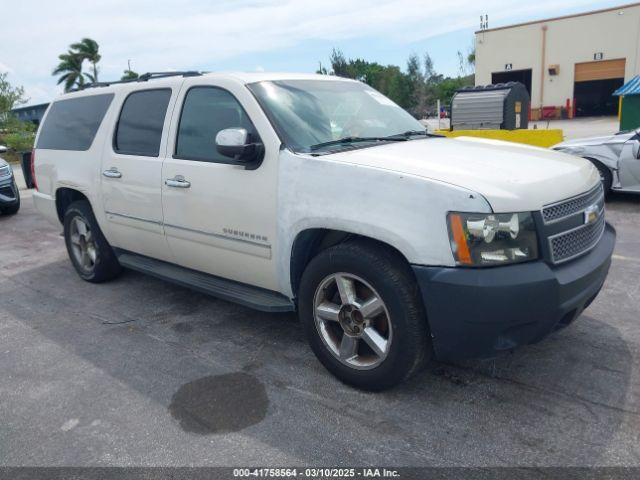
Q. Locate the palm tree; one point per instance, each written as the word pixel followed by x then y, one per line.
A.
pixel 88 49
pixel 70 67
pixel 129 75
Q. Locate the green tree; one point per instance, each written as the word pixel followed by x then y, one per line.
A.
pixel 471 57
pixel 18 135
pixel 448 86
pixel 129 75
pixel 416 91
pixel 416 79
pixel 88 49
pixel 389 79
pixel 10 96
pixel 70 66
pixel 339 64
pixel 430 74
pixel 70 71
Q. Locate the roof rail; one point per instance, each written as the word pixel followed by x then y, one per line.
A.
pixel 149 75
pixel 144 78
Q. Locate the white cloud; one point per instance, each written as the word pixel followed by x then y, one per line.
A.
pixel 198 34
pixel 5 68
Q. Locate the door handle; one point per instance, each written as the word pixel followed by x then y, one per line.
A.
pixel 112 173
pixel 178 181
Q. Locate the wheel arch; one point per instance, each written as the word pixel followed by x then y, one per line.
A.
pixel 310 242
pixel 65 196
pixel 605 162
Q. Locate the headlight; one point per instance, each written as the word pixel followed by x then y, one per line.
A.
pixel 481 239
pixel 5 171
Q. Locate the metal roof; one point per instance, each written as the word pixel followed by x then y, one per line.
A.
pixel 632 87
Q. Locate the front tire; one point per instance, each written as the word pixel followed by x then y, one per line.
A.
pixel 361 310
pixel 90 253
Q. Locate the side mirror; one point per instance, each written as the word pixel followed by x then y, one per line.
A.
pixel 3 149
pixel 235 143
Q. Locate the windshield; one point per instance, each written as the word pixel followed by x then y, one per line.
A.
pixel 316 115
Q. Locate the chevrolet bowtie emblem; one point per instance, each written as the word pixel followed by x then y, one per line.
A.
pixel 591 214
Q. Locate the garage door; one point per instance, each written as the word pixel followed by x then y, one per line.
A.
pixel 601 70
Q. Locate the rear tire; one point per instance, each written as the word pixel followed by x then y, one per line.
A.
pixel 367 343
pixel 90 253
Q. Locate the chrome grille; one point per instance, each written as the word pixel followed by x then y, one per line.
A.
pixel 558 211
pixel 570 244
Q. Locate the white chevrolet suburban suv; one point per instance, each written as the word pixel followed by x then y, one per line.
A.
pixel 318 194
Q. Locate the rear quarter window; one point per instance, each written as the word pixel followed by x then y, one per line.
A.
pixel 72 124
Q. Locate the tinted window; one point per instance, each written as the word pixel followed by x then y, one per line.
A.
pixel 139 129
pixel 205 112
pixel 72 124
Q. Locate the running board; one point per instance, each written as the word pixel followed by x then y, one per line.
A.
pixel 247 295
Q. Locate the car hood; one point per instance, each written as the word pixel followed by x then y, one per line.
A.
pixel 512 177
pixel 595 141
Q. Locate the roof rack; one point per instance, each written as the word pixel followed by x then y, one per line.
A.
pixel 144 78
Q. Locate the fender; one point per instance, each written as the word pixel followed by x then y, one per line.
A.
pixel 317 192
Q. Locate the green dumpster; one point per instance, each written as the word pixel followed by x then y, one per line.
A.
pixel 629 95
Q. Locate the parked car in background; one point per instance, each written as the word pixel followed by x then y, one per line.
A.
pixel 617 158
pixel 318 194
pixel 9 193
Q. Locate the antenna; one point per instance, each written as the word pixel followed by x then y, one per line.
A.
pixel 484 21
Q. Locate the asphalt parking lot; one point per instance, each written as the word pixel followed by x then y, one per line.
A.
pixel 141 372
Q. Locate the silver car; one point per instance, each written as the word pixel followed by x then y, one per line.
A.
pixel 617 158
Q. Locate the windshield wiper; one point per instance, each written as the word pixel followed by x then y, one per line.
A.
pixel 340 141
pixel 410 133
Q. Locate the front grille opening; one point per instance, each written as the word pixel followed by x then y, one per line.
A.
pixel 573 243
pixel 566 208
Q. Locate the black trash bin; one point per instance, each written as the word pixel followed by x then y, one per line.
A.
pixel 26 169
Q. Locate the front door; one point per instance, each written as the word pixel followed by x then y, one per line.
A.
pixel 219 217
pixel 131 173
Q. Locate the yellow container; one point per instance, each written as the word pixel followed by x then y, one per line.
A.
pixel 537 138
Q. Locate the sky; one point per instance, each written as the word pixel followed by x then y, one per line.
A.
pixel 248 35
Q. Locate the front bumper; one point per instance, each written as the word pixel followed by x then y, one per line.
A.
pixel 478 312
pixel 8 192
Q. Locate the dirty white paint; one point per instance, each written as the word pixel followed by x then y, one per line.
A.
pixel 397 193
pixel 403 210
pixel 512 177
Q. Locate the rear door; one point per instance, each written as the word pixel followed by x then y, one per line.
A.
pixel 132 167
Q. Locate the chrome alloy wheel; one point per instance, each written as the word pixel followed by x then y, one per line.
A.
pixel 82 244
pixel 352 321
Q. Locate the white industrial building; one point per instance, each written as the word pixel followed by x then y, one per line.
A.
pixel 570 65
